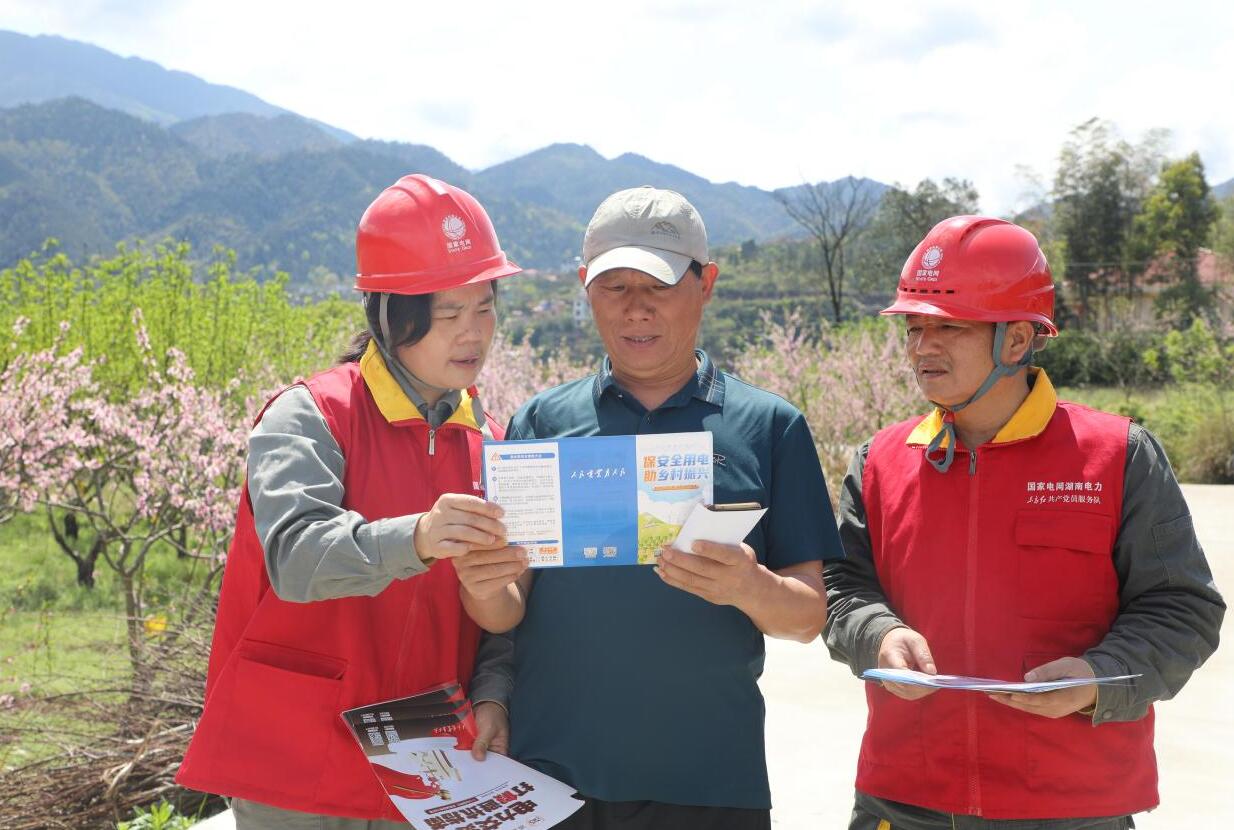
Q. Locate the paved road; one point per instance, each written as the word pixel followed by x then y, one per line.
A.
pixel 816 713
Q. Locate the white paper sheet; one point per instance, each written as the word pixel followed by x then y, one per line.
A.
pixel 985 684
pixel 728 527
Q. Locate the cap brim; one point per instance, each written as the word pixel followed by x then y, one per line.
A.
pixel 665 266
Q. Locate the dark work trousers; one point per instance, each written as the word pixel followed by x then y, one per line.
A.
pixel 655 815
pixel 871 813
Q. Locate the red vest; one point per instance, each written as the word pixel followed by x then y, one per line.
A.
pixel 1002 569
pixel 281 672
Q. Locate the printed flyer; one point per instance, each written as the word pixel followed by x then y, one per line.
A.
pixel 598 500
pixel 419 748
pixel 986 684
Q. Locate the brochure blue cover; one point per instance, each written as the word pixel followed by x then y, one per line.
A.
pixel 598 500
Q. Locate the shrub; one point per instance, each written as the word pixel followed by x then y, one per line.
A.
pixel 849 381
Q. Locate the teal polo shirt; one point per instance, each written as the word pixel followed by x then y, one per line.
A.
pixel 626 688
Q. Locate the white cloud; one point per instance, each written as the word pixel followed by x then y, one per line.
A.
pixel 895 91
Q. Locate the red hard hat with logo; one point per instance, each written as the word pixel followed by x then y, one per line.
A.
pixel 422 235
pixel 978 268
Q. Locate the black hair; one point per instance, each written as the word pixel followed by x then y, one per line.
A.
pixel 696 268
pixel 410 316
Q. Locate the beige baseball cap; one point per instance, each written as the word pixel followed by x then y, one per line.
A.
pixel 651 230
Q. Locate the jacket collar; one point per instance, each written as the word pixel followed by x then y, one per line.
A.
pixel 1028 421
pixel 395 407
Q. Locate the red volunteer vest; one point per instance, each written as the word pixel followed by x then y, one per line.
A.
pixel 1002 569
pixel 281 672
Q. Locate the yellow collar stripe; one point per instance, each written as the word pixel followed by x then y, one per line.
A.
pixel 391 400
pixel 1029 420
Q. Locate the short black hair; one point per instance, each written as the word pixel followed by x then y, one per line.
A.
pixel 410 316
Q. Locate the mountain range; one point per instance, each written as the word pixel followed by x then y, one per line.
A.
pixel 96 148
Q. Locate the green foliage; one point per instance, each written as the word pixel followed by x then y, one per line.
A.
pixel 161 816
pixel 1175 221
pixel 903 218
pixel 1197 355
pixel 1188 420
pixel 36 576
pixel 1086 357
pixel 1223 229
pixel 1191 410
pixel 1178 214
pixel 1100 183
pixel 230 326
pixel 1202 364
pixel 1197 431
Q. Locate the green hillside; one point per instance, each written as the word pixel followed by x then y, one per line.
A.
pixel 286 196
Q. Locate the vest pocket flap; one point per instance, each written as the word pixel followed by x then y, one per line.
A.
pixel 1088 532
pixel 293 659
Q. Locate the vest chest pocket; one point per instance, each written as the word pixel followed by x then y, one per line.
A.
pixel 1066 570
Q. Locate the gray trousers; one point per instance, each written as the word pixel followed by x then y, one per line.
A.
pixel 250 815
pixel 871 813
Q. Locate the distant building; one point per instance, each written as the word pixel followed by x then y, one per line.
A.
pixel 582 309
pixel 1214 270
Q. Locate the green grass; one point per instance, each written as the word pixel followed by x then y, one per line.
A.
pixel 1134 402
pixel 1194 423
pixel 57 637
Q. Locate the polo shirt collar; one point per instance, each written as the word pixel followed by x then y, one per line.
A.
pixel 1029 421
pixel 706 385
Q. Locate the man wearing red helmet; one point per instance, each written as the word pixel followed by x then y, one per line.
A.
pixel 1059 546
pixel 362 517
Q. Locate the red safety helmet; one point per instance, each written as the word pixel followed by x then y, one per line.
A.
pixel 978 268
pixel 422 235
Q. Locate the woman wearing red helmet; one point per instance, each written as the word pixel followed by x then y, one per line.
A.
pixel 364 553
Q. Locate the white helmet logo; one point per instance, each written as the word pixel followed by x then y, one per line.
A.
pixel 453 227
pixel 932 257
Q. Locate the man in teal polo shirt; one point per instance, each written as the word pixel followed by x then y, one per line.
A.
pixel 638 685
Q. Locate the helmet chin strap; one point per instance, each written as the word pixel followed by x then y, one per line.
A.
pixel 1000 371
pixel 395 365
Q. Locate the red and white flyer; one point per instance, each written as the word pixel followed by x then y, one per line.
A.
pixel 420 750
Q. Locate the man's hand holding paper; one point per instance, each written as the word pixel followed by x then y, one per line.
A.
pixel 789 603
pixel 720 573
pixel 1056 704
pixel 904 648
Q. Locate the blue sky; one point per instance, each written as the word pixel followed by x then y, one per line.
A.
pixel 766 94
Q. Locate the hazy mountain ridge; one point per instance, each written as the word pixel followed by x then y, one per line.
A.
pixel 46 67
pixel 140 151
pixel 287 197
pixel 241 133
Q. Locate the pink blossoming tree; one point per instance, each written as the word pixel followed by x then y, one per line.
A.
pixel 158 468
pixel 849 381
